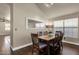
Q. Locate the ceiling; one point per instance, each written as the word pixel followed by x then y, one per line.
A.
pixel 58 9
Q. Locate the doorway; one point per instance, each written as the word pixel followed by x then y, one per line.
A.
pixel 4 29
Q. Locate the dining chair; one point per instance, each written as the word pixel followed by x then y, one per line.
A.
pixel 61 34
pixel 55 45
pixel 40 33
pixel 38 47
pixel 60 41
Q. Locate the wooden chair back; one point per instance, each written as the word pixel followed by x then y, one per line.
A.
pixel 60 34
pixel 45 33
pixel 40 33
pixel 34 38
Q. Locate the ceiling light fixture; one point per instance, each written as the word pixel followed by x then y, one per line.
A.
pixel 51 3
pixel 48 4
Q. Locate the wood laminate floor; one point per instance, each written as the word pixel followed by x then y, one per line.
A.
pixel 4 45
pixel 68 49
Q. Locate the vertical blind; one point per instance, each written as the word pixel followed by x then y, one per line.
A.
pixel 68 26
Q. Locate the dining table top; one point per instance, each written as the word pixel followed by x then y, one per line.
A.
pixel 47 37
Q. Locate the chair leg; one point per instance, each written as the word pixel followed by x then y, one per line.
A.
pixel 32 50
pixel 62 46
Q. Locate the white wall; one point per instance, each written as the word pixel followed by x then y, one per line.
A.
pixel 21 35
pixel 2 28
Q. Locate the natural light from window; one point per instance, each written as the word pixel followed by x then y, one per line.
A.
pixel 69 26
pixel 39 25
pixel 7 26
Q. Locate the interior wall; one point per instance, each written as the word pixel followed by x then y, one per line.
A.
pixel 21 12
pixel 2 28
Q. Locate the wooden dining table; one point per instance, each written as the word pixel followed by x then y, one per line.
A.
pixel 47 38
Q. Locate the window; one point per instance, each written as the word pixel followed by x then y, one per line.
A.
pixel 7 26
pixel 69 26
pixel 39 25
pixel 58 26
pixel 35 24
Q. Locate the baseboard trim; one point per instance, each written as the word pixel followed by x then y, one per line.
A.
pixel 71 42
pixel 20 47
